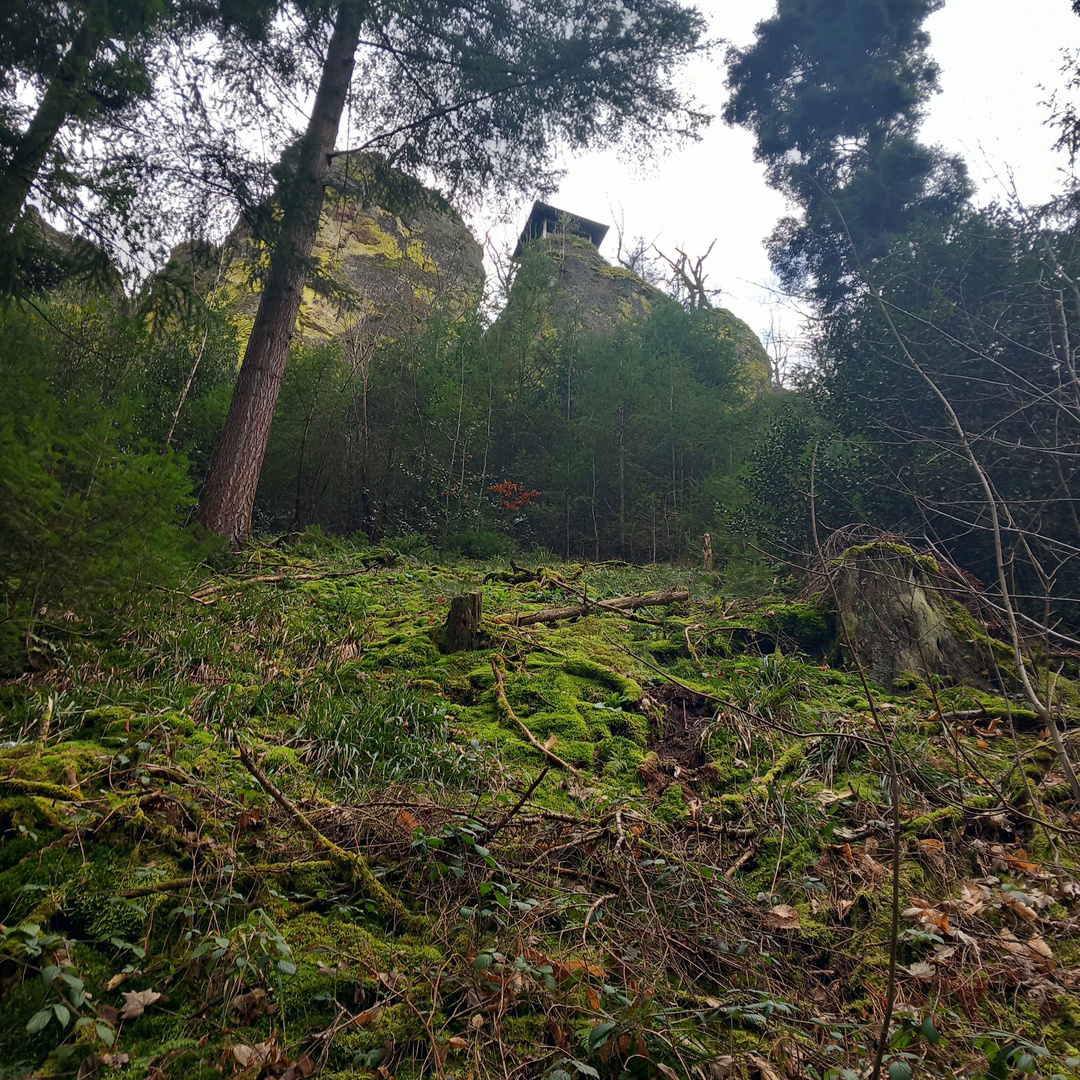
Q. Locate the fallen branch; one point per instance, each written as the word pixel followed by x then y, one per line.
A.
pixel 617 603
pixel 356 863
pixel 503 706
pixel 42 789
pixel 505 820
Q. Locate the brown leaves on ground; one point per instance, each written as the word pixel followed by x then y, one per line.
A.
pixel 136 1002
pixel 268 1059
pixel 783 917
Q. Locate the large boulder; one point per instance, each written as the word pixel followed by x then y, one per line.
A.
pixel 900 620
pixel 390 253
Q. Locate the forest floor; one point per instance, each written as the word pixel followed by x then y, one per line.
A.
pixel 273 831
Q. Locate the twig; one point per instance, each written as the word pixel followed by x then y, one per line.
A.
pixel 591 912
pixel 356 862
pixel 741 861
pixel 505 819
pixel 507 712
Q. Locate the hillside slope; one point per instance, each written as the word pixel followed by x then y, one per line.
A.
pixel 274 831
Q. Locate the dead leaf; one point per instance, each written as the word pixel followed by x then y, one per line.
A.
pixel 108 1014
pixel 263 1053
pixel 1020 909
pixel 301 1068
pixel 456 1042
pixel 250 1006
pixel 764 1071
pixel 1043 951
pixel 827 796
pixel 550 741
pixel 368 1016
pixel 784 917
pixel 723 1068
pixel 136 1001
pixel 928 917
pixel 843 907
pixel 1034 948
pixel 407 821
pixel 974 898
pixel 1020 864
pixel 115 981
pixel 115 1061
pixel 932 847
pixel 576 965
pixel 869 865
pixel 476 1021
pixel 921 970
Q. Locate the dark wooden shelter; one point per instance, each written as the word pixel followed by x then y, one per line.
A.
pixel 546 220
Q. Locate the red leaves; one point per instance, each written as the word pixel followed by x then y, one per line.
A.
pixel 513 497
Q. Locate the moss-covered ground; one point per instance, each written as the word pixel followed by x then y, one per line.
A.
pixel 403 883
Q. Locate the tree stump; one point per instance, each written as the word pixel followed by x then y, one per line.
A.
pixel 462 629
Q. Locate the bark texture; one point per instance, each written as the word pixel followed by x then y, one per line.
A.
pixel 462 630
pixel 229 493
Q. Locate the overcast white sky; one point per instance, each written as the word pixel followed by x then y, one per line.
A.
pixel 999 59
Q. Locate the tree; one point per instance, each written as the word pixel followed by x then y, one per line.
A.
pixel 88 66
pixel 478 95
pixel 970 316
pixel 834 90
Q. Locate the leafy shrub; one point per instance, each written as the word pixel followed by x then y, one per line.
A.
pixel 90 513
pixel 483 545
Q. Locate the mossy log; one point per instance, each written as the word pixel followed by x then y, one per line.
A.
pixel 617 603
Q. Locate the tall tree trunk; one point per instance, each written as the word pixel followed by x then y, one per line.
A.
pixel 53 110
pixel 229 493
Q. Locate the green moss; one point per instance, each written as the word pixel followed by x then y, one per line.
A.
pixel 935 821
pixel 621 749
pixel 881 548
pixel 793 754
pixel 525 1032
pixel 672 809
pixel 56 765
pixel 584 668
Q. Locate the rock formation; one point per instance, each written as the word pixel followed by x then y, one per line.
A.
pixel 390 252
pixel 901 622
pixel 578 289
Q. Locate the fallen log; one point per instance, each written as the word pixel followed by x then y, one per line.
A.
pixel 616 603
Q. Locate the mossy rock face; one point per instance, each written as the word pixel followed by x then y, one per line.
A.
pixel 897 619
pixel 390 253
pixel 584 291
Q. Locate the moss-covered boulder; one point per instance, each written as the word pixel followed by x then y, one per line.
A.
pixel 899 619
pixel 389 254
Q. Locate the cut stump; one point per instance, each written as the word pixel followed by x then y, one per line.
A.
pixel 462 629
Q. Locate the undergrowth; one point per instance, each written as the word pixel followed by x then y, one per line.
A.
pixel 699 889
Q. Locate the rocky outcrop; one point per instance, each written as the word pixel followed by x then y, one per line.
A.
pixel 576 288
pixel 390 252
pixel 899 619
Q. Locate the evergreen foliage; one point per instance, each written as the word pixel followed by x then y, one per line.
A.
pixel 91 509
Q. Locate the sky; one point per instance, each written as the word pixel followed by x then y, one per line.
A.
pixel 999 60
